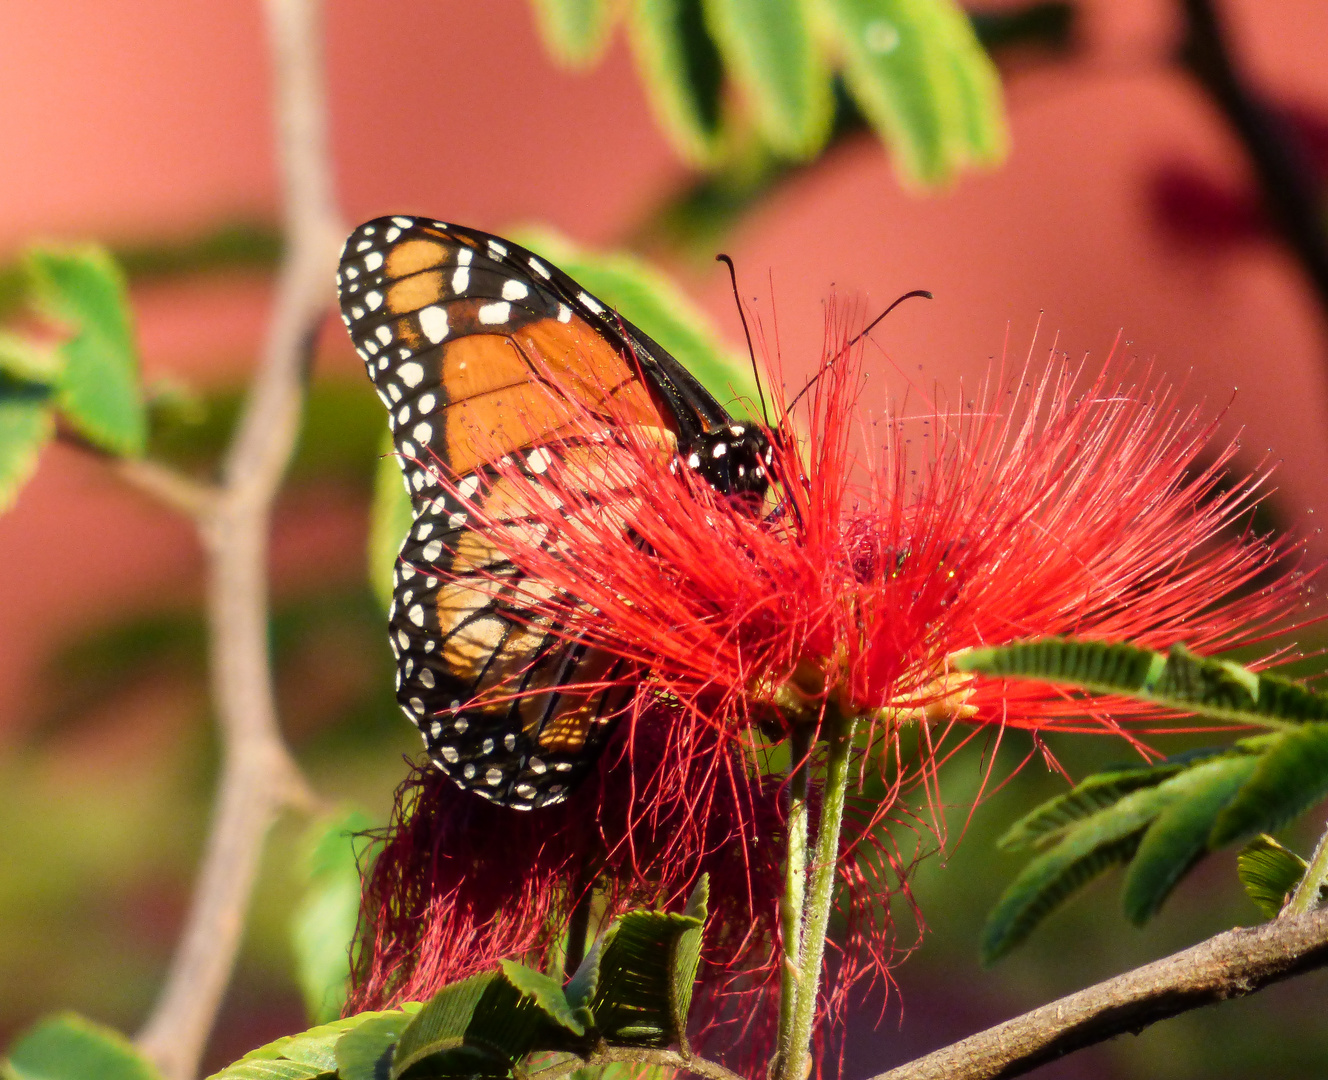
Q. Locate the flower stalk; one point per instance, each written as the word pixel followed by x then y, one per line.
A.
pixel 838 731
pixel 794 899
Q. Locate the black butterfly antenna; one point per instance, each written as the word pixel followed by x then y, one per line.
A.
pixel 733 277
pixel 854 340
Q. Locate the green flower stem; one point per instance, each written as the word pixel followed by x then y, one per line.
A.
pixel 795 879
pixel 1306 896
pixel 839 733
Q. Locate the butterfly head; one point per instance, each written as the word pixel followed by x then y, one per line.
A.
pixel 733 459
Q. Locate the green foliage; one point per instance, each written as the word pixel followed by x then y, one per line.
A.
pixel 365 1052
pixel 683 74
pixel 919 74
pixel 1270 873
pixel 69 1047
pixel 575 31
pixel 646 974
pixel 1160 819
pixel 1291 777
pixel 390 519
pixel 26 426
pixel 323 924
pixel 98 391
pixel 633 989
pixel 772 54
pixel 1177 679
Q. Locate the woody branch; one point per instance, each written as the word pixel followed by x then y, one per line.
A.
pixel 258 777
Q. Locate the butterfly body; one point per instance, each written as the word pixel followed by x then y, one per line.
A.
pixel 488 359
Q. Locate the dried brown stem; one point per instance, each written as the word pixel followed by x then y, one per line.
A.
pixel 259 777
pixel 1230 965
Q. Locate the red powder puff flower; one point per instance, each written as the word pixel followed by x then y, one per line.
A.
pixel 1085 506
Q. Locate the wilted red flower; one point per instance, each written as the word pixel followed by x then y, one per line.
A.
pixel 1085 506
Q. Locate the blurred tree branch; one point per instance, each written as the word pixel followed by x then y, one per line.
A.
pixel 1285 180
pixel 259 778
pixel 1238 962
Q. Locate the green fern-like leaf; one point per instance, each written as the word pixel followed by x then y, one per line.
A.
pixel 1292 776
pixel 1177 679
pixel 1179 837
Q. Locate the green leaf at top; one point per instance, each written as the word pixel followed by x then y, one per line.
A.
pixel 575 31
pixel 683 73
pixel 1178 838
pixel 1292 776
pixel 30 361
pixel 70 1047
pixel 26 426
pixel 773 56
pixel 919 74
pixel 98 392
pixel 1270 873
pixel 1178 679
pixel 390 519
pixel 647 298
pixel 323 923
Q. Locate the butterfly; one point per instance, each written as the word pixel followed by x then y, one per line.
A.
pixel 482 351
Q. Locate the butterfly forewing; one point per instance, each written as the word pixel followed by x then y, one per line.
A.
pixel 478 350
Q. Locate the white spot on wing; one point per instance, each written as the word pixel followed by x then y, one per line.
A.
pixel 564 313
pixel 374 300
pixel 411 374
pixel 433 323
pixel 372 261
pixel 515 290
pixel 460 279
pixel 384 334
pixel 404 222
pixel 493 314
pixel 539 268
pixel 590 302
pixel 432 550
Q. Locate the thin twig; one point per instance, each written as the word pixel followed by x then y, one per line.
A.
pixel 794 901
pixel 178 491
pixel 1230 965
pixel 258 777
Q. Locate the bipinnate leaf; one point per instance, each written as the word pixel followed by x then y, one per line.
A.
pixel 575 31
pixel 98 391
pixel 922 79
pixel 1100 841
pixel 365 1051
pixel 313 1049
pixel 1177 679
pixel 1270 873
pixel 584 982
pixel 478 1027
pixel 547 993
pixel 646 958
pixel 687 955
pixel 26 426
pixel 1046 824
pixel 772 54
pixel 69 1047
pixel 1180 835
pixel 390 519
pixel 683 74
pixel 324 920
pixel 1291 777
pixel 649 299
